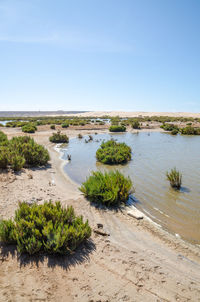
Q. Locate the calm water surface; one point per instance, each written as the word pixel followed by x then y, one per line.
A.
pixel 153 154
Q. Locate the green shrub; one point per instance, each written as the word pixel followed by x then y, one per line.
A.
pixel 22 152
pixel 34 154
pixel 11 124
pixel 190 131
pixel 59 138
pixel 136 125
pixel 3 137
pixel 7 231
pixel 169 127
pixel 45 228
pixel 65 125
pixel 53 127
pixel 113 153
pixel 1 125
pixel 80 136
pixel 174 131
pixel 3 157
pixel 175 178
pixel 115 120
pixel 109 188
pixel 29 128
pixel 16 161
pixel 117 128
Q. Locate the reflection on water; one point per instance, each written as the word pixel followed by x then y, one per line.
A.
pixel 153 155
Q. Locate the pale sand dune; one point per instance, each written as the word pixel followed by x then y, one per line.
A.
pixel 137 262
pixel 137 114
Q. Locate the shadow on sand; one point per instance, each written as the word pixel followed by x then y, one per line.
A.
pixel 42 168
pixel 116 208
pixel 81 255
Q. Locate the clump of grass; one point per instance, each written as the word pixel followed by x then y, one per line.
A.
pixel 112 153
pixel 175 178
pixel 189 130
pixel 108 188
pixel 59 138
pixel 53 127
pixel 117 128
pixel 174 131
pixel 3 137
pixel 80 136
pixel 21 152
pixel 29 128
pixel 45 228
pixel 136 124
pixel 65 125
pixel 169 127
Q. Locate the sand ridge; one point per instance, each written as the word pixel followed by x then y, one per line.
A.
pixel 137 114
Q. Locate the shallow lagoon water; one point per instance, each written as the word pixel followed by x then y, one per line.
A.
pixel 4 122
pixel 152 155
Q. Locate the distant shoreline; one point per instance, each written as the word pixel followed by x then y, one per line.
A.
pixel 138 114
pixel 96 113
pixel 38 113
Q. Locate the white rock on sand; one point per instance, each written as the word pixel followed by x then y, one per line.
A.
pixel 135 213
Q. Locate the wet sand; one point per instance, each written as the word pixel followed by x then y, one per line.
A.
pixel 137 262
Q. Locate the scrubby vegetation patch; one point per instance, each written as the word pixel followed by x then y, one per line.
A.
pixel 190 131
pixel 117 128
pixel 21 152
pixel 169 127
pixel 29 128
pixel 65 125
pixel 112 152
pixel 136 124
pixel 59 138
pixel 108 188
pixel 46 228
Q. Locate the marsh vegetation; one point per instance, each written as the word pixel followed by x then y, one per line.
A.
pixel 175 178
pixel 117 128
pixel 48 228
pixel 112 153
pixel 29 128
pixel 20 152
pixel 59 138
pixel 108 188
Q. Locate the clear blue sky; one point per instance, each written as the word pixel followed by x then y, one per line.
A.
pixel 100 55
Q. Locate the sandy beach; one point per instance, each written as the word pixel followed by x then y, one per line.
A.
pixel 137 114
pixel 138 261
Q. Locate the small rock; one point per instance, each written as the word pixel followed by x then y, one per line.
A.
pixel 39 199
pixel 99 232
pixel 30 176
pixel 135 213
